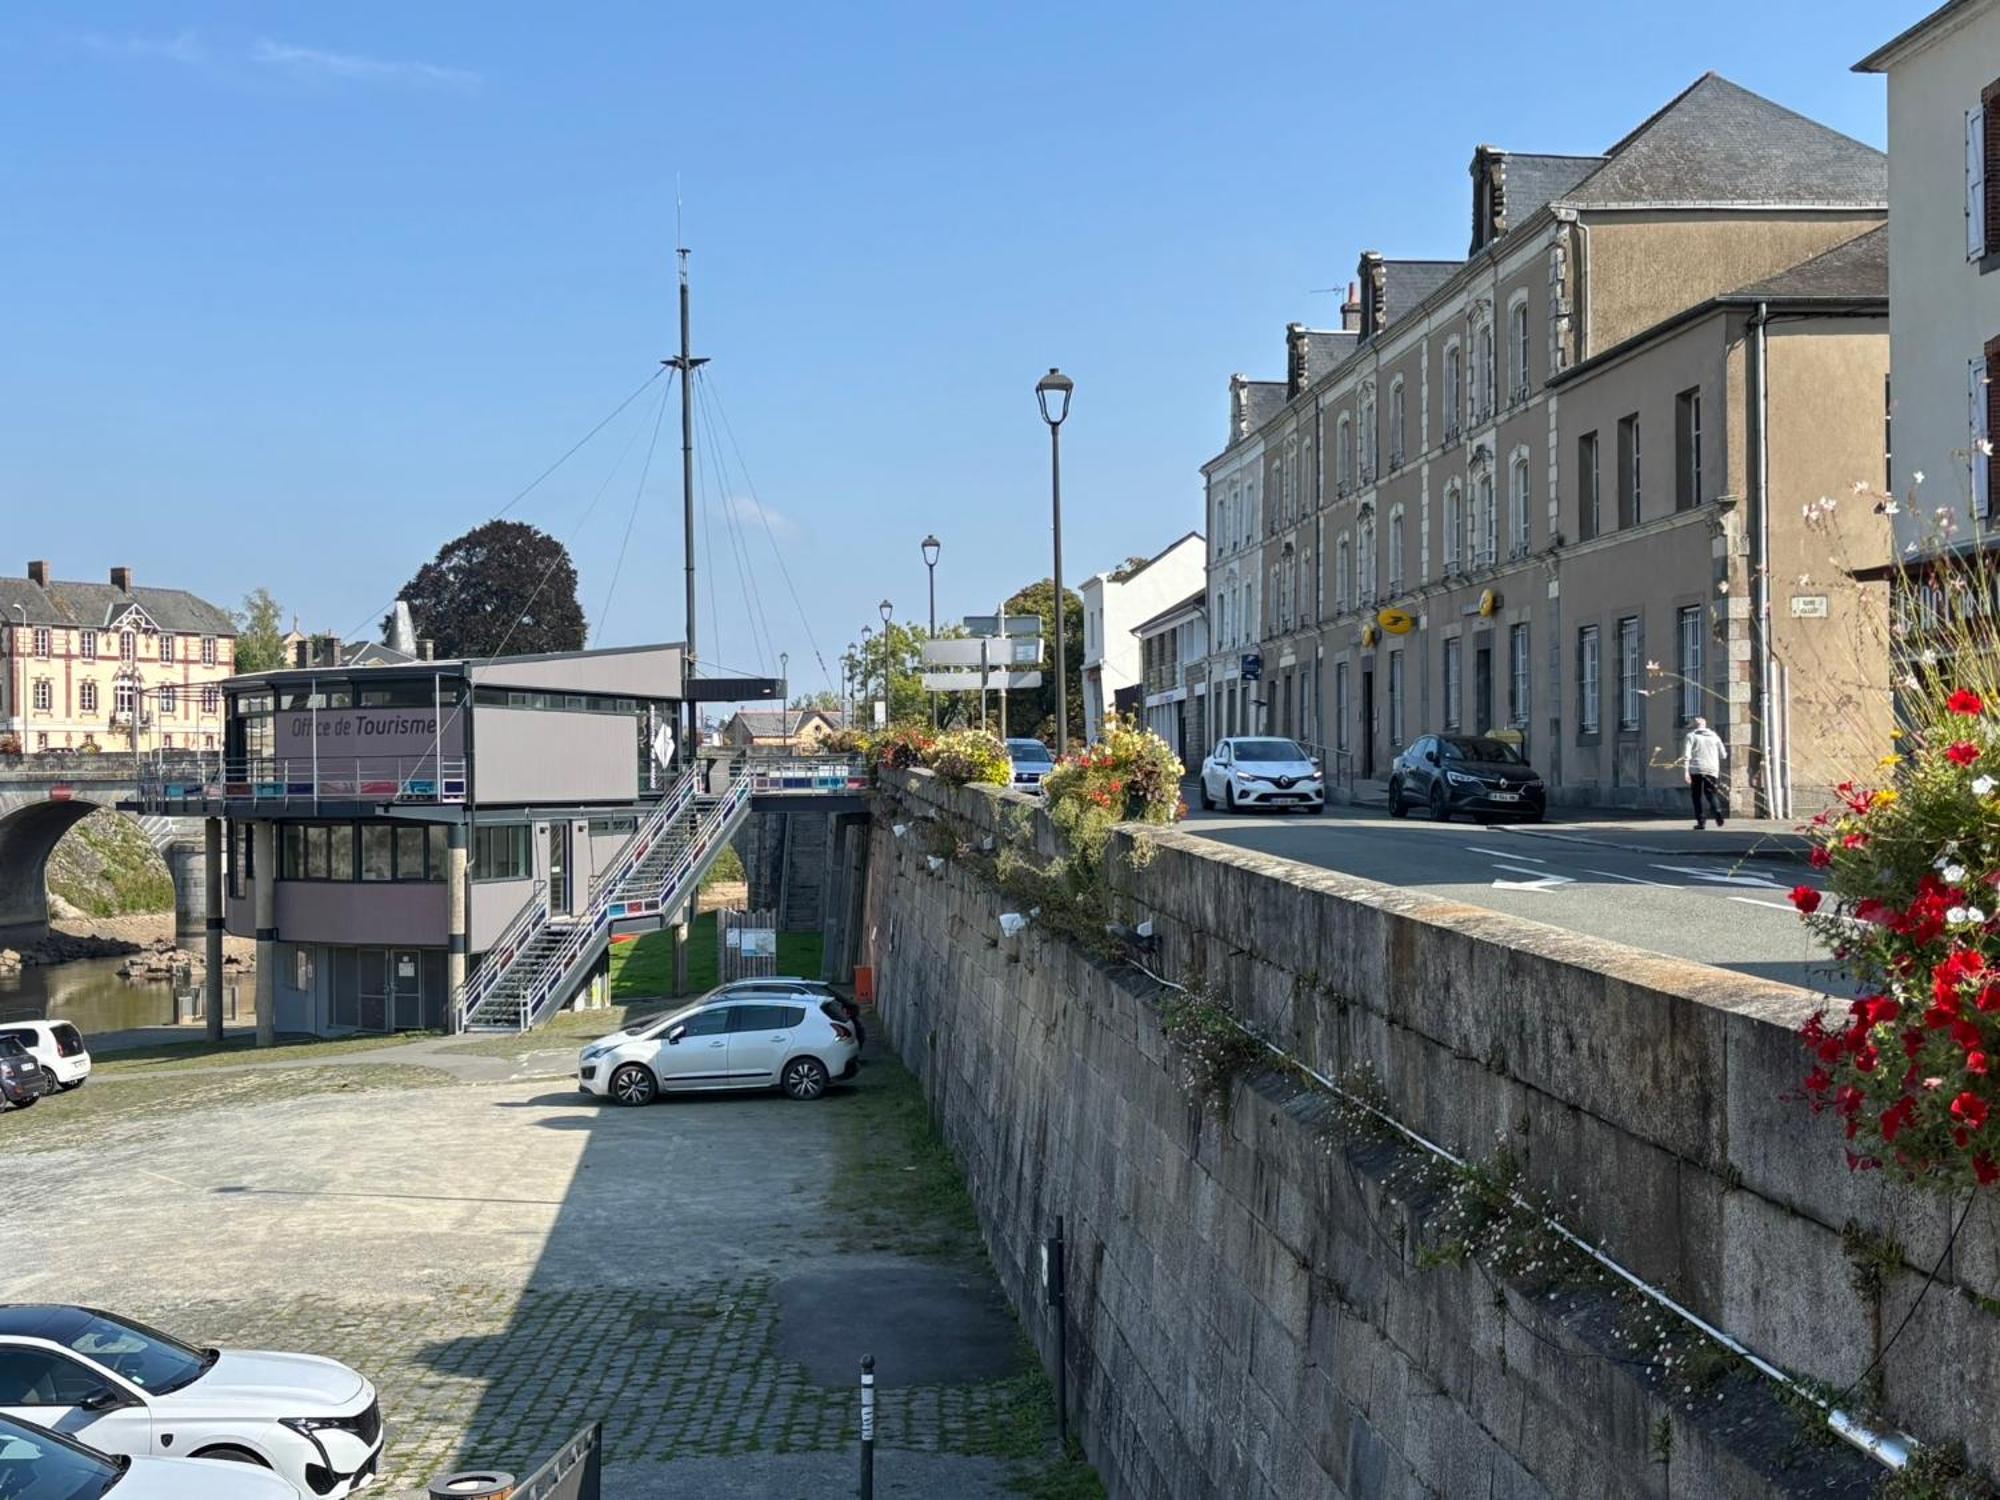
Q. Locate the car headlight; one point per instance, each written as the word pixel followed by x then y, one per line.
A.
pixel 591 1054
pixel 322 1424
pixel 1459 778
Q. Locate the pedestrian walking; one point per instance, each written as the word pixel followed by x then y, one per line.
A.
pixel 1701 758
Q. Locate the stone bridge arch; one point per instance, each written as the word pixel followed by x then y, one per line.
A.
pixel 33 823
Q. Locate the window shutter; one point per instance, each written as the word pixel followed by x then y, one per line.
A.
pixel 1975 183
pixel 1983 463
pixel 1978 400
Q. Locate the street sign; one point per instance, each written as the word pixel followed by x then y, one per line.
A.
pixel 1253 667
pixel 987 650
pixel 955 653
pixel 1022 653
pixel 1012 625
pixel 996 681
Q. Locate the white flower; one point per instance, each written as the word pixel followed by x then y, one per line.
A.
pixel 1889 508
pixel 1928 658
pixel 1957 916
pixel 1974 915
pixel 1918 477
pixel 1982 786
pixel 1952 874
pixel 1985 447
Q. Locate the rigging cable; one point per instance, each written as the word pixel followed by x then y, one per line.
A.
pixel 739 544
pixel 632 515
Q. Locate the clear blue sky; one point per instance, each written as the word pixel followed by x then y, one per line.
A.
pixel 294 292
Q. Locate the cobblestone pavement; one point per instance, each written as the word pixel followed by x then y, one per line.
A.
pixel 508 1261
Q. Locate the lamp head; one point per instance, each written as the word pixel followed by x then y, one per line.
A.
pixel 932 546
pixel 887 609
pixel 1052 391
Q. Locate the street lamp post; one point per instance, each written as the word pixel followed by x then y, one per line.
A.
pixel 887 609
pixel 861 672
pixel 1052 393
pixel 785 697
pixel 931 547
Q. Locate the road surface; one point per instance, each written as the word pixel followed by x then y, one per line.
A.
pixel 1722 909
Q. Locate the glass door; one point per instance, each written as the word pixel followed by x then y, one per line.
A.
pixel 558 869
pixel 406 990
pixel 372 986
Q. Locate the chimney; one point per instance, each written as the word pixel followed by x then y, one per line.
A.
pixel 1350 310
pixel 427 649
pixel 326 650
pixel 403 629
pixel 300 653
pixel 38 572
pixel 1374 280
pixel 1298 370
pixel 121 579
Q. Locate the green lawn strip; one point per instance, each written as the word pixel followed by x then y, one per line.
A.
pixel 569 1028
pixel 644 967
pixel 83 1115
pixel 170 1056
pixel 896 1186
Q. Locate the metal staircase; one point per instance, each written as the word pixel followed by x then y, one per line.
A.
pixel 539 962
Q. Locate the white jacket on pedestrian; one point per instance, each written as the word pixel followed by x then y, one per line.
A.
pixel 1704 753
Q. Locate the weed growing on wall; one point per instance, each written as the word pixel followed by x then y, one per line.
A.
pixel 1211 1047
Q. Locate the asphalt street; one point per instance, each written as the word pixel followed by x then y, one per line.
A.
pixel 1722 909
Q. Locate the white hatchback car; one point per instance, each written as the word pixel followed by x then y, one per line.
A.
pixel 35 1461
pixel 1261 771
pixel 128 1389
pixel 798 1042
pixel 57 1046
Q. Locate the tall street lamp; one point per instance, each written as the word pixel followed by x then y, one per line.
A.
pixel 861 672
pixel 785 696
pixel 1052 393
pixel 887 609
pixel 931 547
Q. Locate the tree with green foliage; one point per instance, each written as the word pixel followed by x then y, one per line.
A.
pixel 502 587
pixel 1034 711
pixel 260 634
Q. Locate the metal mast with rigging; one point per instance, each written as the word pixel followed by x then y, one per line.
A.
pixel 687 364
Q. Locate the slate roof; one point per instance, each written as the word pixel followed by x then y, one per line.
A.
pixel 1855 271
pixel 95 605
pixel 1406 283
pixel 1325 348
pixel 1534 180
pixel 1262 400
pixel 775 724
pixel 1716 142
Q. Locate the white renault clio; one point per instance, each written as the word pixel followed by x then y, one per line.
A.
pixel 727 1040
pixel 128 1389
pixel 35 1462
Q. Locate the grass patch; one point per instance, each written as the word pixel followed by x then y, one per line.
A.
pixel 1067 1476
pixel 896 1186
pixel 82 1116
pixel 170 1056
pixel 644 968
pixel 564 1027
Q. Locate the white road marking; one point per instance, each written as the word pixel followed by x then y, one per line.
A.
pixel 1542 881
pixel 1753 901
pixel 1504 854
pixel 1722 877
pixel 1635 879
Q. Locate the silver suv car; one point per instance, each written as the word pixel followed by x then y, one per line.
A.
pixel 794 1041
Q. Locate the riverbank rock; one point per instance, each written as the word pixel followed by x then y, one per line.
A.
pixel 10 961
pixel 62 947
pixel 160 959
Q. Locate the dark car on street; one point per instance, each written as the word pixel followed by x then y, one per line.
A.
pixel 1466 773
pixel 22 1080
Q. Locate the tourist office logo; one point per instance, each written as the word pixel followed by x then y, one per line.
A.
pixel 372 733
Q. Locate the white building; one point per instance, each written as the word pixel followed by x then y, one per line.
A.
pixel 1944 248
pixel 1116 601
pixel 1173 648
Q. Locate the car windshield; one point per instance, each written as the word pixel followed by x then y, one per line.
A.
pixel 142 1355
pixel 1268 750
pixel 1033 752
pixel 1482 749
pixel 39 1465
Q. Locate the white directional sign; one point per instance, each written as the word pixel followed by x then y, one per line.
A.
pixel 955 653
pixel 996 681
pixel 1012 625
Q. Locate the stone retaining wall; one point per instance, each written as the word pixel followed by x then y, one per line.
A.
pixel 1247 1317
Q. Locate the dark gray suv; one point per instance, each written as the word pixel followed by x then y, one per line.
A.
pixel 22 1080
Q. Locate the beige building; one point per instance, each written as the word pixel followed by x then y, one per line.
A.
pixel 109 666
pixel 1556 488
pixel 799 729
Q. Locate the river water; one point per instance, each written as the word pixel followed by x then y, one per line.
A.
pixel 90 993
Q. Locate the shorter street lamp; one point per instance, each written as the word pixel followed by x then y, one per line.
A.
pixel 887 609
pixel 931 547
pixel 1052 393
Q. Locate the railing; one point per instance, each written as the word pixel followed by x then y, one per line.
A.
pixel 350 778
pixel 805 774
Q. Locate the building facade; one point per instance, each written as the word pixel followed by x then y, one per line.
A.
pixel 1114 602
pixel 88 667
pixel 1554 489
pixel 1173 652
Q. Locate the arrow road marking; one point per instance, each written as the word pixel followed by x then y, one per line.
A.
pixel 1504 854
pixel 1722 877
pixel 1634 879
pixel 1542 881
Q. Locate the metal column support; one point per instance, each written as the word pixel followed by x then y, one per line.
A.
pixel 265 860
pixel 211 952
pixel 457 912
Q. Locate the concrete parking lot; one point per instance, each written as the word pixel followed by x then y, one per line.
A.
pixel 508 1260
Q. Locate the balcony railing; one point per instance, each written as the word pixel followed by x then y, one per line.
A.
pixel 167 779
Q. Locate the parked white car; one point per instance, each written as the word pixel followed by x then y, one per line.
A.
pixel 128 1389
pixel 1261 771
pixel 58 1047
pixel 36 1462
pixel 798 1042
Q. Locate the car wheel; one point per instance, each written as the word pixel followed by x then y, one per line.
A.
pixel 1228 797
pixel 24 1103
pixel 1440 805
pixel 49 1078
pixel 634 1083
pixel 74 1083
pixel 804 1078
pixel 1207 802
pixel 1398 808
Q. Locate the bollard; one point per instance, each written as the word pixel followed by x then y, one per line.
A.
pixel 867 1427
pixel 477 1484
pixel 1058 1299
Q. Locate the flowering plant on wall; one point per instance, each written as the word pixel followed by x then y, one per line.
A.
pixel 970 757
pixel 1130 774
pixel 1911 907
pixel 900 746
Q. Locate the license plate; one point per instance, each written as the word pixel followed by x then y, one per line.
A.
pixel 1506 796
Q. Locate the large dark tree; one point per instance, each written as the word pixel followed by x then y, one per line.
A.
pixel 502 587
pixel 1034 711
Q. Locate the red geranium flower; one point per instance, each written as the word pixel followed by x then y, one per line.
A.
pixel 1806 899
pixel 1969 1110
pixel 1820 857
pixel 1975 1062
pixel 1962 753
pixel 1984 1169
pixel 1966 702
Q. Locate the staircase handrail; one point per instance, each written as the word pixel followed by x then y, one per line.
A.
pixel 598 918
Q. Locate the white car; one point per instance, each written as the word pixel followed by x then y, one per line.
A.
pixel 128 1389
pixel 1261 771
pixel 36 1462
pixel 58 1047
pixel 744 1040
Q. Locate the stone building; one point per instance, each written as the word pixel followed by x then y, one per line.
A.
pixel 1558 488
pixel 110 666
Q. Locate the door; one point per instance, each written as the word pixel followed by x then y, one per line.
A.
pixel 406 990
pixel 558 838
pixel 1482 689
pixel 1367 723
pixel 758 1042
pixel 695 1054
pixel 372 989
pixel 64 1395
